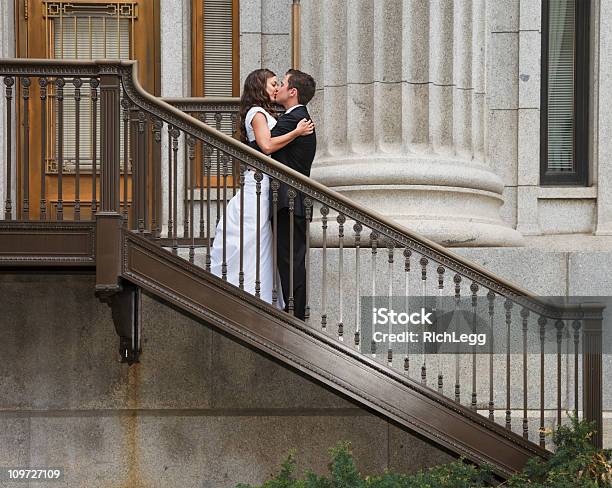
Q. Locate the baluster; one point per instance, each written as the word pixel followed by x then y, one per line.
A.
pixel 559 325
pixel 373 245
pixel 357 228
pixel 125 104
pixel 186 183
pixel 542 323
pixel 508 306
pixel 275 186
pixel 258 179
pixel 218 127
pixel 291 194
pixel 274 233
pixel 156 218
pixel 457 281
pixel 340 219
pixel 234 119
pixel 59 83
pixel 474 290
pixel 491 300
pixel 174 207
pixel 170 182
pixel 25 93
pixel 225 159
pixel 324 212
pixel 8 205
pixel 93 83
pixel 423 262
pixel 308 204
pixel 576 327
pixel 407 254
pixel 144 170
pixel 208 165
pixel 43 146
pixel 390 250
pixel 525 317
pixel 191 157
pixel 77 149
pixel 202 170
pixel 441 272
pixel 140 181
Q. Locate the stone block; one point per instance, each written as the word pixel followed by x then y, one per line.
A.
pixel 218 451
pixel 566 216
pixel 360 108
pixel 58 364
pixel 276 53
pixel 527 210
pixel 334 119
pixel 502 69
pixel 169 335
pixel 86 447
pixel 244 378
pixel 503 16
pixel 528 147
pixel 408 453
pixel 388 47
pixel 250 55
pixel 415 115
pixel 387 110
pixel 250 17
pixel 359 42
pixel 536 270
pixel 276 16
pixel 530 15
pixel 508 210
pixel 529 84
pixel 441 118
pixel 502 144
pixel 334 25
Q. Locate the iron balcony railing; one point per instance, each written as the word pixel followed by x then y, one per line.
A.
pixel 167 170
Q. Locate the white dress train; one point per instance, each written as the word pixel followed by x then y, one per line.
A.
pixel 232 231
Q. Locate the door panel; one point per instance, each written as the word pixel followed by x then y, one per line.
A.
pixel 85 30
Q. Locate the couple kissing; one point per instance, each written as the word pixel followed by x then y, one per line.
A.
pixel 291 140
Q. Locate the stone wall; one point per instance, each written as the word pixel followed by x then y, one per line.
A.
pixel 199 410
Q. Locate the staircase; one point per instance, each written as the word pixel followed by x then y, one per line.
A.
pixel 152 206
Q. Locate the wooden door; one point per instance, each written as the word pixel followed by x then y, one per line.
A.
pixel 77 29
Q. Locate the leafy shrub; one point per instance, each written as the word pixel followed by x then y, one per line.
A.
pixel 575 464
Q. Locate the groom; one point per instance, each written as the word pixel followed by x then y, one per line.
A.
pixel 296 90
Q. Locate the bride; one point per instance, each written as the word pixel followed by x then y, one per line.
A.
pixel 256 122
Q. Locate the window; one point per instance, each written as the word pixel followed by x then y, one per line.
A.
pixel 215 43
pixel 565 92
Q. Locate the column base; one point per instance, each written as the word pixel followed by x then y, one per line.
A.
pixel 455 203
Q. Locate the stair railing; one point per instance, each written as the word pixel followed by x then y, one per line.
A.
pixel 166 174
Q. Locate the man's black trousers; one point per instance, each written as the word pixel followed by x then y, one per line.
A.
pixel 299 256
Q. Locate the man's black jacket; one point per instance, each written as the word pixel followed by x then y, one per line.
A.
pixel 298 154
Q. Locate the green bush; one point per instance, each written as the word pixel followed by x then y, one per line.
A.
pixel 575 464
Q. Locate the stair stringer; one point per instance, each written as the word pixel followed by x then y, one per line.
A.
pixel 371 384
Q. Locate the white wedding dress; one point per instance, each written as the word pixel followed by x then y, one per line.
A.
pixel 232 236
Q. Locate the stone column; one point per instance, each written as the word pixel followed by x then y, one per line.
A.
pixel 400 113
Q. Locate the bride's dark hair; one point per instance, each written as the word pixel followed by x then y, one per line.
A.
pixel 254 94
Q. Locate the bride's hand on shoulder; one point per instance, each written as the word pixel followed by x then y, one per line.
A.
pixel 305 127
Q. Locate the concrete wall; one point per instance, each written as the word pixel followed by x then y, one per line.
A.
pixel 199 411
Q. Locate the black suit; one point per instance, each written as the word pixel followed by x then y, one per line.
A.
pixel 298 155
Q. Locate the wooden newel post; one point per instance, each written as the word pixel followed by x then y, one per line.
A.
pixel 108 218
pixel 592 403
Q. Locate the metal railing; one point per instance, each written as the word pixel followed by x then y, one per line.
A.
pixel 178 189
